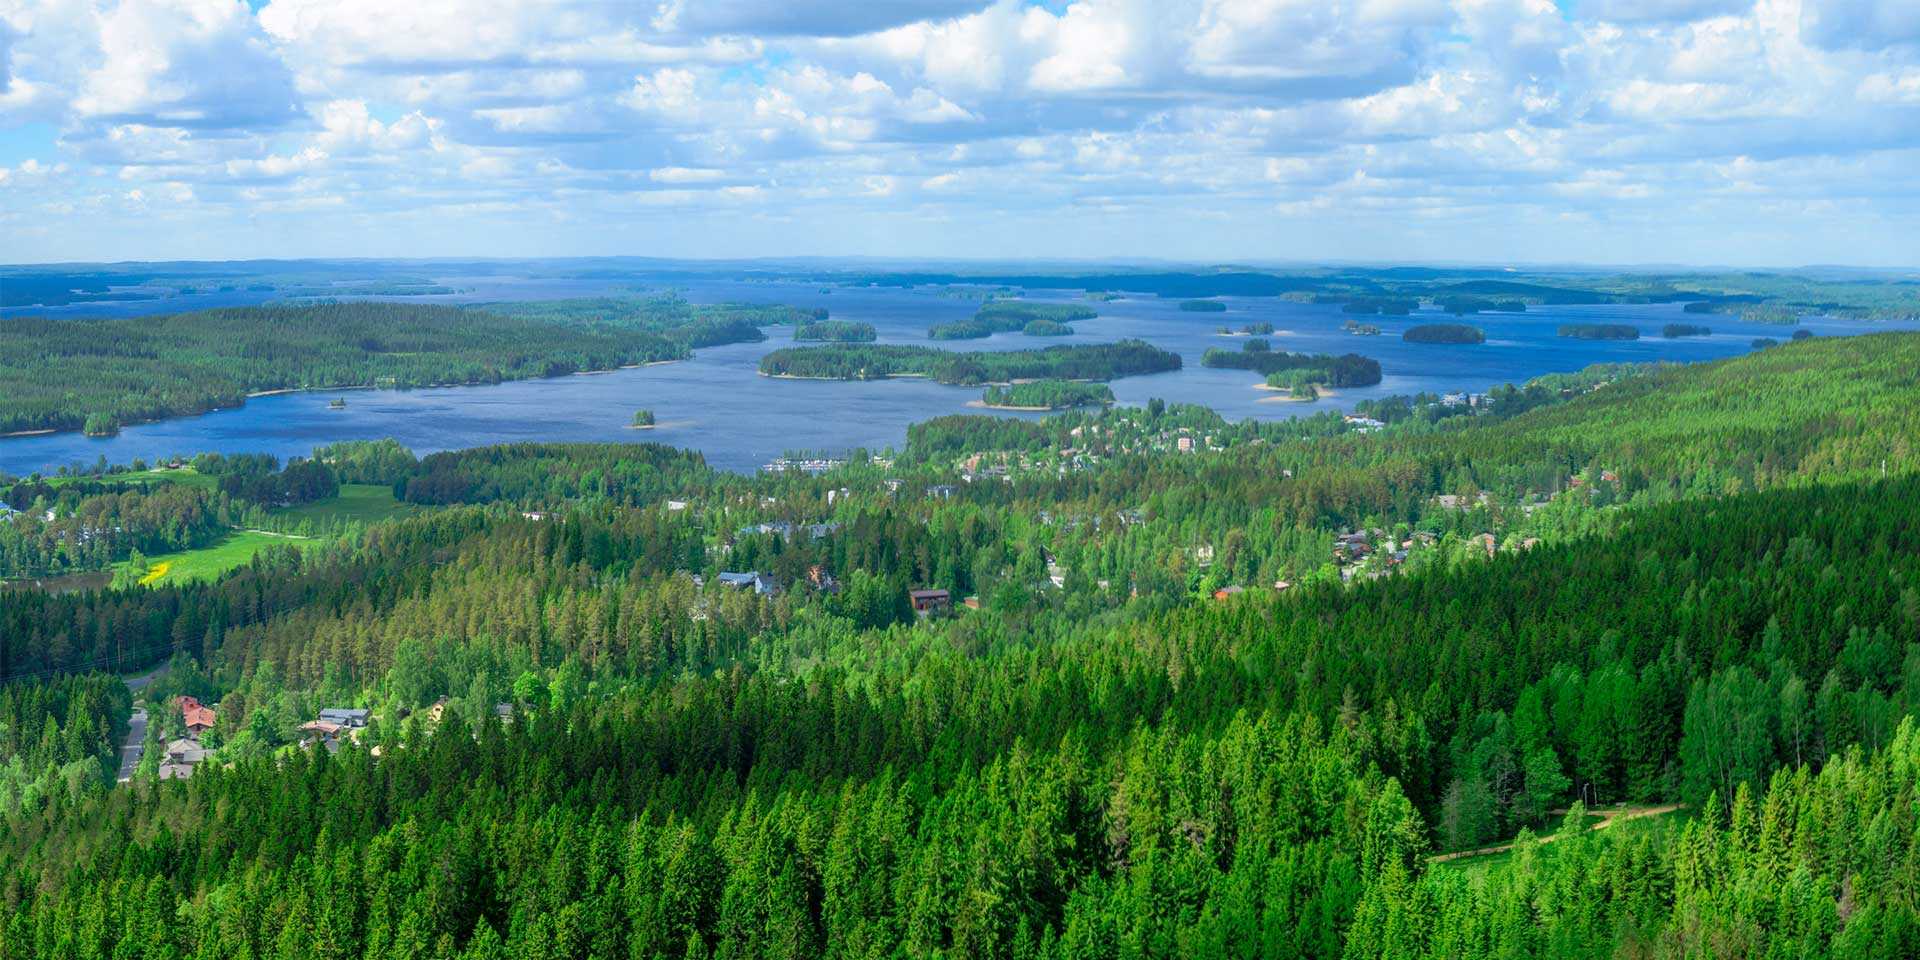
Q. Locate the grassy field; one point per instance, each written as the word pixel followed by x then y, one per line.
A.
pixel 185 475
pixel 206 563
pixel 357 503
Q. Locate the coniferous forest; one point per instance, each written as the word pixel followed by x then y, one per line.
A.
pixel 1617 664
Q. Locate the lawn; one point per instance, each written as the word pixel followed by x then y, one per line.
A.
pixel 357 503
pixel 236 549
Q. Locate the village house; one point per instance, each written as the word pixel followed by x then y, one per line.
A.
pixel 759 583
pixel 1228 592
pixel 927 602
pixel 351 718
pixel 323 732
pixel 179 757
pixel 198 719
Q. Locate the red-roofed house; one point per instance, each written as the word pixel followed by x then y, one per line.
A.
pixel 198 719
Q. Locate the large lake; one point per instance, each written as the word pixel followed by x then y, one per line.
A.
pixel 718 404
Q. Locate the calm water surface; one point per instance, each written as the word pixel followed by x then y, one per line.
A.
pixel 718 404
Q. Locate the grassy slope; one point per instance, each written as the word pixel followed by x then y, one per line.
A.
pixel 186 476
pixel 236 549
pixel 357 503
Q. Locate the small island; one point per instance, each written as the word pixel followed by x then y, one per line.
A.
pixel 1674 331
pixel 642 420
pixel 835 331
pixel 1007 316
pixel 1346 370
pixel 1046 328
pixel 1103 361
pixel 1046 395
pixel 1256 329
pixel 1203 306
pixel 1444 333
pixel 1599 331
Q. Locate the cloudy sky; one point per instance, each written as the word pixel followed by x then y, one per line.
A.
pixel 1773 132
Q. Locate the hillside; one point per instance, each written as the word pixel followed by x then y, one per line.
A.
pixel 1138 742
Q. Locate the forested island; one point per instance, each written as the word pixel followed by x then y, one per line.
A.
pixel 1386 306
pixel 1346 370
pixel 1203 306
pixel 642 420
pixel 101 374
pixel 1047 395
pixel 1599 331
pixel 1444 333
pixel 1122 680
pixel 1106 361
pixel 1464 305
pixel 1674 331
pixel 835 331
pixel 1007 316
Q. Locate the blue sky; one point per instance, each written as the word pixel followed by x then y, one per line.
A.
pixel 1744 132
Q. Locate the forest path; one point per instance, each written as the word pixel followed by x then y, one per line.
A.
pixel 1608 817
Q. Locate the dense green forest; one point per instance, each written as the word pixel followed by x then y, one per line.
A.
pixel 1346 370
pixel 1203 306
pixel 836 331
pixel 1444 333
pixel 100 374
pixel 1047 395
pixel 1227 689
pixel 1107 361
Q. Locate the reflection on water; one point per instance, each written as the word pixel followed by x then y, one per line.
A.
pixel 70 583
pixel 717 403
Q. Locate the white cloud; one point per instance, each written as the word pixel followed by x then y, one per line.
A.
pixel 1089 114
pixel 189 63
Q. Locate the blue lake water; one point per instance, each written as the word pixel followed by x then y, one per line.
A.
pixel 718 404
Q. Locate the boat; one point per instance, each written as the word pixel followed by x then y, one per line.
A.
pixel 337 403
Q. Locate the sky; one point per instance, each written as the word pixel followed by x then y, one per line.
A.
pixel 1736 132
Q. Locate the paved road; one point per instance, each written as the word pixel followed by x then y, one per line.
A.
pixel 139 683
pixel 136 742
pixel 137 724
